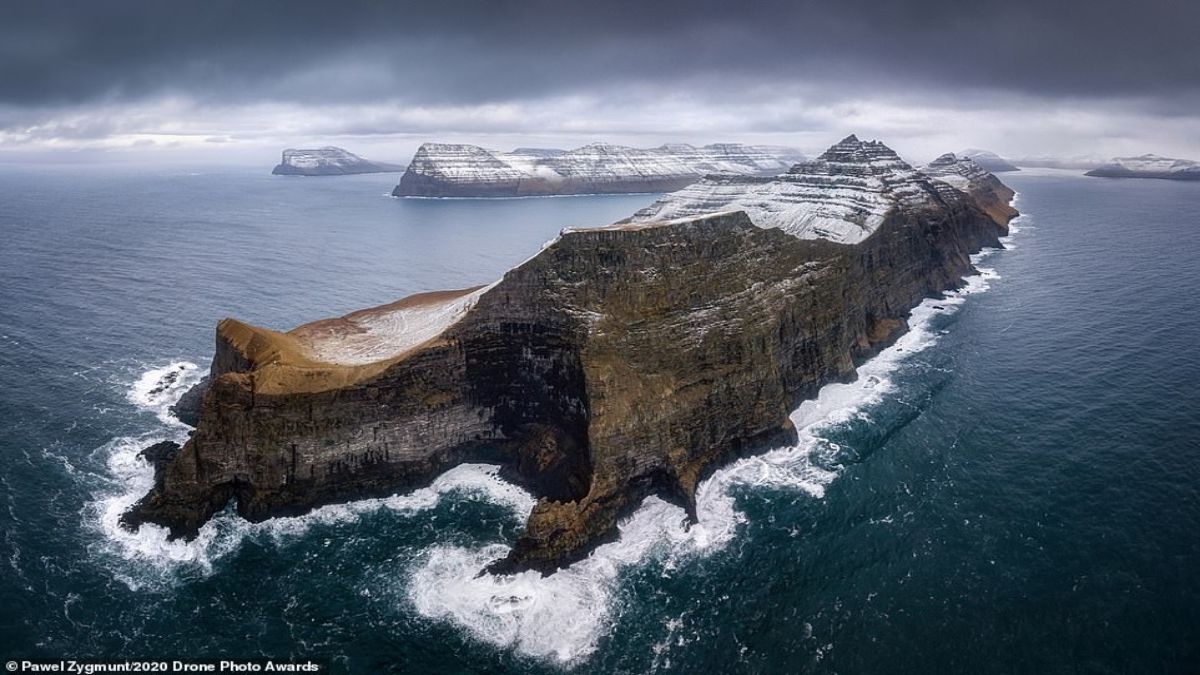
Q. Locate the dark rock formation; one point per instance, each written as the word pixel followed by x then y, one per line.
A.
pixel 159 456
pixel 328 161
pixel 187 408
pixel 618 362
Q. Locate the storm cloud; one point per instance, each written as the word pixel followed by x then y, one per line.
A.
pixel 123 72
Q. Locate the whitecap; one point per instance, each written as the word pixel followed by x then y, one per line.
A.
pixel 159 388
pixel 563 616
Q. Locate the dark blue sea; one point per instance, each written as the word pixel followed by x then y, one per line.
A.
pixel 1014 487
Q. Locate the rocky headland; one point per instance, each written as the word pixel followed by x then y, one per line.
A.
pixel 1148 166
pixel 456 170
pixel 618 362
pixel 328 161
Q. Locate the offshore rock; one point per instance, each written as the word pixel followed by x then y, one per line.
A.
pixel 455 170
pixel 619 362
pixel 328 161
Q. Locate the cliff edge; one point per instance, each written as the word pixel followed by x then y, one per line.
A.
pixel 618 362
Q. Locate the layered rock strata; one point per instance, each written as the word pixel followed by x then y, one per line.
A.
pixel 965 174
pixel 455 170
pixel 618 362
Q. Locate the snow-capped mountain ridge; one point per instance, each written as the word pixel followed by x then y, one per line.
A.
pixel 955 170
pixel 843 196
pixel 460 170
pixel 1149 166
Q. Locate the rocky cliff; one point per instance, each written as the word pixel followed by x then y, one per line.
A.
pixel 1148 166
pixel 455 170
pixel 618 362
pixel 965 174
pixel 328 161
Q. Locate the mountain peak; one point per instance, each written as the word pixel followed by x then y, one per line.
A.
pixel 852 151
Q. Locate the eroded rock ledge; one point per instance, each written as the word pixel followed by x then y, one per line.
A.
pixel 618 362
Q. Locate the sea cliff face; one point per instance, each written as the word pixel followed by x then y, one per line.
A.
pixel 327 161
pixel 618 362
pixel 454 170
pixel 965 174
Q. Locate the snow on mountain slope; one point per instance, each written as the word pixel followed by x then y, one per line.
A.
pixel 988 160
pixel 1149 166
pixel 955 170
pixel 327 161
pixel 843 196
pixel 451 170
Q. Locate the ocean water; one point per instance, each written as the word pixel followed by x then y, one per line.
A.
pixel 1013 487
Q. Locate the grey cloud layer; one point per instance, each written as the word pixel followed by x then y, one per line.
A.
pixel 451 51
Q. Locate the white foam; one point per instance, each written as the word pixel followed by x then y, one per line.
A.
pixel 564 615
pixel 159 388
pixel 560 616
pixel 148 556
pixel 157 558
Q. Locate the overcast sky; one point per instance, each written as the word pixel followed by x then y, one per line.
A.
pixel 216 80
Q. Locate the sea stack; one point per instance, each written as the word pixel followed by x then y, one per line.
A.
pixel 457 170
pixel 619 362
pixel 328 161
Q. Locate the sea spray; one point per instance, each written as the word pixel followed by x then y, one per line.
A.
pixel 160 387
pixel 156 559
pixel 564 615
pixel 561 616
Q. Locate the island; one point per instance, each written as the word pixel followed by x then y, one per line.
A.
pixel 457 170
pixel 989 160
pixel 618 362
pixel 328 161
pixel 1148 166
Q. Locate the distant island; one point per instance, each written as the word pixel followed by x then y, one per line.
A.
pixel 990 161
pixel 1148 166
pixel 328 161
pixel 618 362
pixel 459 170
pixel 1073 163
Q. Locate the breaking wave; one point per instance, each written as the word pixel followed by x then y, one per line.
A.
pixel 564 615
pixel 157 389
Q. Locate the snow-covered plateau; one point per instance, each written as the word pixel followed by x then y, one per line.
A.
pixel 459 170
